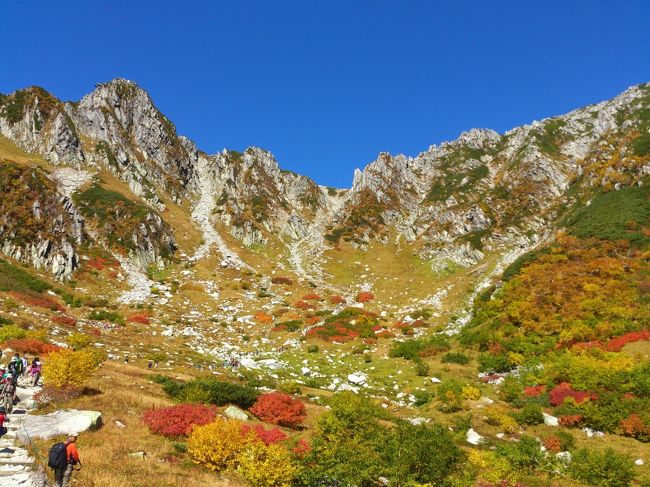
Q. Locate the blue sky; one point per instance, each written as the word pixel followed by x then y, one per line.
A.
pixel 328 85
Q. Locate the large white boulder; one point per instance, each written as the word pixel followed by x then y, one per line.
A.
pixel 233 412
pixel 550 420
pixel 357 379
pixel 58 423
pixel 473 437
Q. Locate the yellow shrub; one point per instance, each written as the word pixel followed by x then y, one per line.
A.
pixel 67 368
pixel 78 340
pixel 497 416
pixel 515 358
pixel 217 445
pixel 499 470
pixel 471 393
pixel 477 459
pixel 266 466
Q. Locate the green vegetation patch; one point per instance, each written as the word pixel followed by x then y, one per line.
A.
pixel 208 390
pixel 13 278
pixel 617 215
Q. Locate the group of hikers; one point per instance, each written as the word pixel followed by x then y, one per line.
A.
pixel 64 456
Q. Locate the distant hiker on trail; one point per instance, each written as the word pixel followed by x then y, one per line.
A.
pixel 62 458
pixel 3 418
pixel 35 372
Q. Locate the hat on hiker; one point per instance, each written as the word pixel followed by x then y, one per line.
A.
pixel 72 434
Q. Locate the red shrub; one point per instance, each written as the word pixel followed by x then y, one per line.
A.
pixel 302 448
pixel 273 435
pixel 310 297
pixel 139 318
pixel 178 420
pixel 39 300
pixel 31 346
pixel 281 280
pixel 561 391
pixel 364 297
pixel 336 299
pixel 616 344
pixel 304 305
pixel 534 391
pixel 95 331
pixel 65 320
pixel 570 420
pixel 279 408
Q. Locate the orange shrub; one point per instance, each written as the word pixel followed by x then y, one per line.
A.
pixel 279 408
pixel 139 318
pixel 310 297
pixel 364 297
pixel 336 299
pixel 32 346
pixel 304 305
pixel 263 318
pixel 39 300
pixel 552 444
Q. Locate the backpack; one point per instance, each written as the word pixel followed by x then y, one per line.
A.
pixel 58 456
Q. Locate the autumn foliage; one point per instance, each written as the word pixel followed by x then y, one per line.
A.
pixel 279 408
pixel 364 297
pixel 65 320
pixel 561 391
pixel 263 318
pixel 138 318
pixel 38 300
pixel 266 436
pixel 32 346
pixel 178 420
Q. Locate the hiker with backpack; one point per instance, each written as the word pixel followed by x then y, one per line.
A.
pixel 35 371
pixel 62 459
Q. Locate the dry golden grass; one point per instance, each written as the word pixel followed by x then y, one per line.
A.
pixel 124 393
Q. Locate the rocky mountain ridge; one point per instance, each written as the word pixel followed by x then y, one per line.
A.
pixel 483 192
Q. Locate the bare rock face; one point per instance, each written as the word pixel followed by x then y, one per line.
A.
pixel 37 224
pixel 453 202
pixel 132 136
pixel 38 123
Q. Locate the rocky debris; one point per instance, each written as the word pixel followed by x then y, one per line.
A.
pixel 233 412
pixel 357 379
pixel 140 284
pixel 592 433
pixel 639 462
pixel 68 180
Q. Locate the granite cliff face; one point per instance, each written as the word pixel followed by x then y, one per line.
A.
pixel 483 192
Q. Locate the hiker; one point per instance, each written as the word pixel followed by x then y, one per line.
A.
pixel 35 371
pixel 62 458
pixel 25 363
pixel 3 418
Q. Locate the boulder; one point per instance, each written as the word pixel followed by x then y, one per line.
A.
pixel 233 412
pixel 550 420
pixel 58 423
pixel 435 380
pixel 639 462
pixel 473 437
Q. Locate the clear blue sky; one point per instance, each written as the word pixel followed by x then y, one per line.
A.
pixel 326 85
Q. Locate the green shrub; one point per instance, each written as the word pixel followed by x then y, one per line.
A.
pixel 413 349
pixel 488 362
pixel 10 332
pixel 450 394
pixel 567 441
pixel 208 390
pixel 523 456
pixel 455 358
pixel 421 368
pixel 13 278
pixel 602 468
pixel 530 414
pixel 609 215
pixel 104 315
pixel 641 145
